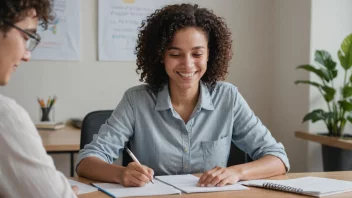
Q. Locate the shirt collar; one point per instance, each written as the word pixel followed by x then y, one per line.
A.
pixel 205 98
pixel 163 100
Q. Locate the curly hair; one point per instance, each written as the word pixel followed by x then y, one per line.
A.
pixel 13 11
pixel 156 34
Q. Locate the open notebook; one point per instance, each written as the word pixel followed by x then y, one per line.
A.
pixel 188 184
pixel 163 185
pixel 313 186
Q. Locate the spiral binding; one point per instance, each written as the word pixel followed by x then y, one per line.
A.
pixel 282 188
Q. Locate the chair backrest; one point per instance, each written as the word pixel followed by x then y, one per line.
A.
pixel 93 121
pixel 237 156
pixel 91 125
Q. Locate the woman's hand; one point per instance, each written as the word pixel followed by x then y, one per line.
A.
pixel 75 189
pixel 136 175
pixel 219 176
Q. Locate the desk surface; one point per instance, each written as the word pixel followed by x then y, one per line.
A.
pixel 330 141
pixel 252 193
pixel 65 139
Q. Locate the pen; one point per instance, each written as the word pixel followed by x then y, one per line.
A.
pixel 53 101
pixel 48 103
pixel 134 158
pixel 103 190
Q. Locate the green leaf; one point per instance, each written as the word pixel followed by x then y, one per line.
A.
pixel 329 115
pixel 333 73
pixel 349 118
pixel 346 106
pixel 345 53
pixel 328 97
pixel 324 58
pixel 315 115
pixel 347 91
pixel 329 93
pixel 343 60
pixel 318 72
pixel 330 74
pixel 308 82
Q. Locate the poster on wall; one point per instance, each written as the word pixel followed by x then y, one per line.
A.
pixel 119 21
pixel 61 41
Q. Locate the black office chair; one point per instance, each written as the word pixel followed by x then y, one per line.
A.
pixel 237 156
pixel 91 125
pixel 93 121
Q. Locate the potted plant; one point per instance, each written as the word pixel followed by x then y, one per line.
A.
pixel 339 104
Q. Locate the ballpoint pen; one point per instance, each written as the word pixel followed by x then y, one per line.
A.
pixel 134 159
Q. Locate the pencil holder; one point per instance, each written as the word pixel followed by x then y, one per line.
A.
pixel 47 114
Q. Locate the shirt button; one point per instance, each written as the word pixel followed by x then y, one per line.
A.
pixel 186 150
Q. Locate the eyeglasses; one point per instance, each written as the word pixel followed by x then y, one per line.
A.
pixel 33 40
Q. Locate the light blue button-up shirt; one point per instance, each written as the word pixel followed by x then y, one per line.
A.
pixel 161 140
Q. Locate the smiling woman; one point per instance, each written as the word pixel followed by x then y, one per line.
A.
pixel 26 169
pixel 184 119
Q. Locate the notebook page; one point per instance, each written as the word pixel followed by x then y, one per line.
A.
pixel 82 188
pixel 188 184
pixel 158 188
pixel 310 185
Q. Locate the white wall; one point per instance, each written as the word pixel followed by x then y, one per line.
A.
pixel 290 102
pixel 331 23
pixel 270 39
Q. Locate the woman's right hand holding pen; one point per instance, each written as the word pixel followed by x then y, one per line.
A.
pixel 136 175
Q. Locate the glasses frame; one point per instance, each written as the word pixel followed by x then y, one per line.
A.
pixel 34 36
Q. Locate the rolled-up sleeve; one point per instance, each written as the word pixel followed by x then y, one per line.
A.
pixel 251 136
pixel 113 135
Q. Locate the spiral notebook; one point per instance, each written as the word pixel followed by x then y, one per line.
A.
pixel 312 186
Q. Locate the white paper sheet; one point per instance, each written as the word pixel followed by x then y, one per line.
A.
pixel 82 188
pixel 158 188
pixel 188 184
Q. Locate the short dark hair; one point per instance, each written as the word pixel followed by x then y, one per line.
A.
pixel 13 11
pixel 156 34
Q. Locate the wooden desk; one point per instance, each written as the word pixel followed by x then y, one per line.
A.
pixel 330 141
pixel 65 140
pixel 252 193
